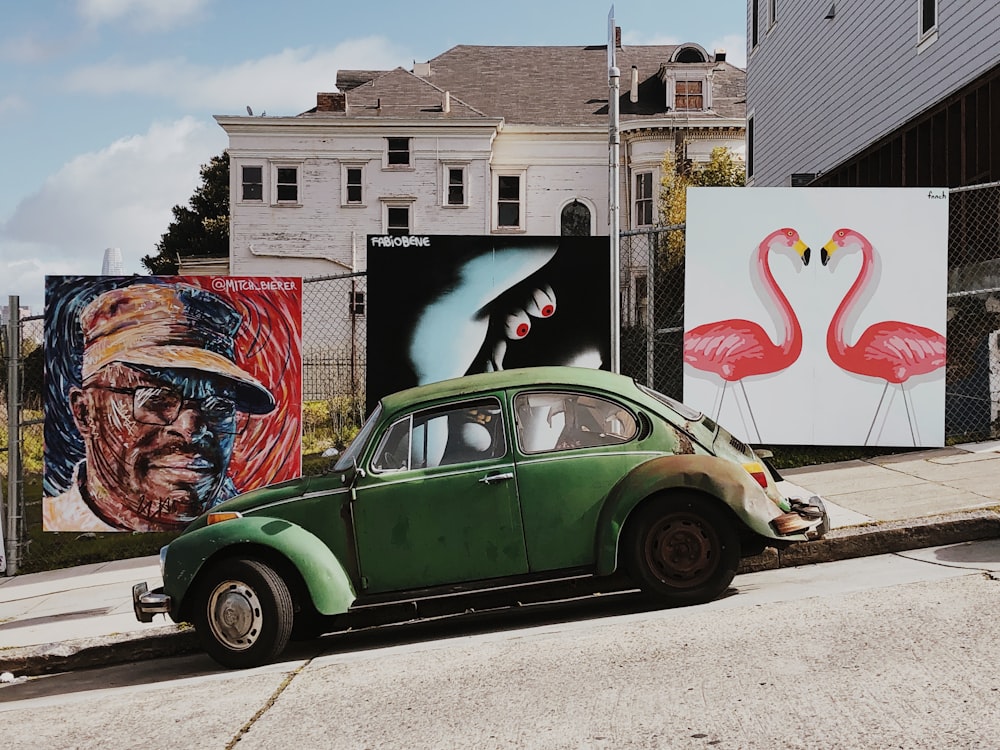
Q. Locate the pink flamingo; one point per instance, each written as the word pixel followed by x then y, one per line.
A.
pixel 737 349
pixel 891 351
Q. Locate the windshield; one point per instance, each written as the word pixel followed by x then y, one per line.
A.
pixel 350 456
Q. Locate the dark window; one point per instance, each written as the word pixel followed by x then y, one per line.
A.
pixel 357 303
pixel 399 152
pixel 398 220
pixel 750 147
pixel 641 300
pixel 456 186
pixel 253 183
pixel 288 184
pixel 928 15
pixel 354 194
pixel 509 201
pixel 575 220
pixel 754 22
pixel 644 199
pixel 689 95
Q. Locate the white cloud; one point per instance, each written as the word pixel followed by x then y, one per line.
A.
pixel 146 15
pixel 121 196
pixel 283 83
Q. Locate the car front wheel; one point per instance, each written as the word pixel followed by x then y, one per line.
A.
pixel 244 613
pixel 682 549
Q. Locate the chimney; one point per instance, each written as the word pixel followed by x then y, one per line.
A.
pixel 421 69
pixel 720 55
pixel 633 95
pixel 446 103
pixel 618 37
pixel 331 102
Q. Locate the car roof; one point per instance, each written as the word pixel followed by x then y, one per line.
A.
pixel 491 381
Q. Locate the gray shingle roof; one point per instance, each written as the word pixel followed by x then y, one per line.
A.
pixel 557 86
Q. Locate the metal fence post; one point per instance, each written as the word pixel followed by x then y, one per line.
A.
pixel 10 539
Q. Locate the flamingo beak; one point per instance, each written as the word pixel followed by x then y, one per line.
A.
pixel 803 250
pixel 827 252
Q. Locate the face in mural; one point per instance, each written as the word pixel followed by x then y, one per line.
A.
pixel 159 407
pixel 158 443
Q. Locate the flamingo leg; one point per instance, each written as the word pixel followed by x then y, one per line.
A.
pixel 717 406
pixel 877 410
pixel 911 418
pixel 750 411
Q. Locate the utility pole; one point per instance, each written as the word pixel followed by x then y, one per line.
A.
pixel 614 86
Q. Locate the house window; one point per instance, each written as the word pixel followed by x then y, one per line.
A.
pixel 397 220
pixel 754 22
pixel 353 194
pixel 398 152
pixel 750 120
pixel 575 220
pixel 287 184
pixel 357 303
pixel 641 300
pixel 689 95
pixel 454 186
pixel 508 201
pixel 253 183
pixel 928 16
pixel 644 198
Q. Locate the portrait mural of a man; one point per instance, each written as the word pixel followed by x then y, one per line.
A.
pixel 166 396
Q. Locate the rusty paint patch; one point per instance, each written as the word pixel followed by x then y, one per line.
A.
pixel 684 444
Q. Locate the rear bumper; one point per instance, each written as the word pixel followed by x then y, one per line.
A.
pixel 808 516
pixel 146 603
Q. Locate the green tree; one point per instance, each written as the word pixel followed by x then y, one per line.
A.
pixel 200 229
pixel 723 169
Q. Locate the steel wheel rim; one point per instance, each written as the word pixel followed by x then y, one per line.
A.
pixel 682 550
pixel 234 615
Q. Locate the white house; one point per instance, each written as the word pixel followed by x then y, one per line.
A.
pixel 479 140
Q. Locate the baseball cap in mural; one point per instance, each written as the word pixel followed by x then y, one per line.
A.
pixel 172 327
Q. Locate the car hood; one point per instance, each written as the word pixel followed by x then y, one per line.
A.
pixel 261 496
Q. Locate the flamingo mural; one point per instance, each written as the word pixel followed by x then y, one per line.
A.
pixel 891 350
pixel 736 349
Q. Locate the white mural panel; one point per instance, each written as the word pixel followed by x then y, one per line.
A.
pixel 816 316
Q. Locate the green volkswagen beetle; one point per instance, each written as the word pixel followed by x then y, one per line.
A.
pixel 501 484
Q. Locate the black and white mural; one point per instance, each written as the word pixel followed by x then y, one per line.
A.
pixel 443 306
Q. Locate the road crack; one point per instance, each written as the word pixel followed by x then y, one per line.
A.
pixel 267 704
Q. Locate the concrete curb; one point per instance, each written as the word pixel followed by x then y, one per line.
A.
pixel 839 544
pixel 881 537
pixel 104 651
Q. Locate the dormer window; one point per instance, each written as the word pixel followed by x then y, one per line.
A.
pixel 687 78
pixel 689 95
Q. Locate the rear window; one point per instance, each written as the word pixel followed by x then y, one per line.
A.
pixel 683 409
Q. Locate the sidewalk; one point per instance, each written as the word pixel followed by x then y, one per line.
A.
pixel 82 616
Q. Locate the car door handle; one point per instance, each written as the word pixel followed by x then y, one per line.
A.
pixel 491 478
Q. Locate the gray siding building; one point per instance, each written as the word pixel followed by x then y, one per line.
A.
pixel 858 93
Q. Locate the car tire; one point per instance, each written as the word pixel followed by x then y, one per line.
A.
pixel 243 614
pixel 682 549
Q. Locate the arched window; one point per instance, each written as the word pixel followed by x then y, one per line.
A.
pixel 575 220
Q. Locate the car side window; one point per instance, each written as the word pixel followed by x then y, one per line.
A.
pixel 552 421
pixel 458 433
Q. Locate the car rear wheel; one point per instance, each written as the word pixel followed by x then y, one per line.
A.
pixel 244 613
pixel 682 549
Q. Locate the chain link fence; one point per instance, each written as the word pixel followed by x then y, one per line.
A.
pixel 651 344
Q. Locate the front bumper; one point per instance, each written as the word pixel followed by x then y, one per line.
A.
pixel 146 603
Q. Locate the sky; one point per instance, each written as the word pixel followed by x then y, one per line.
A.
pixel 106 106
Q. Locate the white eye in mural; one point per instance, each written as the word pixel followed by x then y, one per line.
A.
pixel 542 303
pixel 517 325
